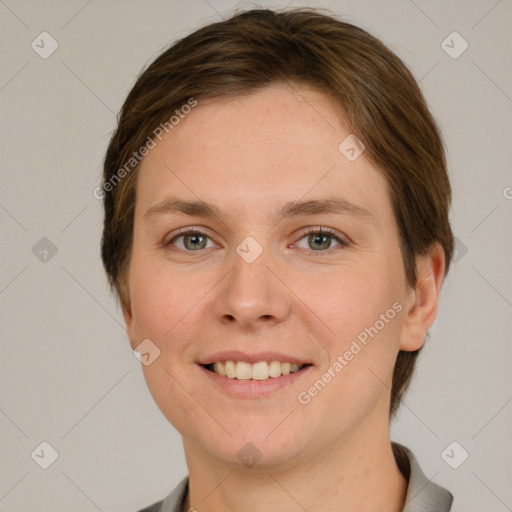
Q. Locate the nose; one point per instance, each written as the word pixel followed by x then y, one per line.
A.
pixel 252 293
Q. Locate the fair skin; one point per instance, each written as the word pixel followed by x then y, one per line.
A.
pixel 303 296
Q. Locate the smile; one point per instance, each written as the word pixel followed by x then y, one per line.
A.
pixel 260 370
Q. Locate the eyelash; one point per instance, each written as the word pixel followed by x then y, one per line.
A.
pixel 309 231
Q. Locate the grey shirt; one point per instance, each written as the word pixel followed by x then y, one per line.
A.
pixel 422 495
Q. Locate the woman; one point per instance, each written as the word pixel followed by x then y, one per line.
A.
pixel 276 229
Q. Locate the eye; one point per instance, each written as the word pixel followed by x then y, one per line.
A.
pixel 193 240
pixel 320 240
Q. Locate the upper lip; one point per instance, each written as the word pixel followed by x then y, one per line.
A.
pixel 237 355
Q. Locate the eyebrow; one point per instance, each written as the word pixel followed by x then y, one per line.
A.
pixel 200 208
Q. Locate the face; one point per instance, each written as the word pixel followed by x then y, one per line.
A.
pixel 270 272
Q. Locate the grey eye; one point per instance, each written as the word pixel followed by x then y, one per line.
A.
pixel 192 241
pixel 320 241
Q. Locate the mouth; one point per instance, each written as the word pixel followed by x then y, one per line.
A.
pixel 259 370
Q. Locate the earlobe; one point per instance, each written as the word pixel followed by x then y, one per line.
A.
pixel 422 301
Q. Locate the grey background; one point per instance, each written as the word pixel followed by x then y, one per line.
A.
pixel 67 372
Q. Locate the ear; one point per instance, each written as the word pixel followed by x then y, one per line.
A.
pixel 422 301
pixel 130 322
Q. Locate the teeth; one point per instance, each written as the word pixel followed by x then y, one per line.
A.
pixel 220 369
pixel 275 369
pixel 243 370
pixel 230 369
pixel 261 370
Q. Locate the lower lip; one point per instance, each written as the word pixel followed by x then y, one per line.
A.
pixel 249 388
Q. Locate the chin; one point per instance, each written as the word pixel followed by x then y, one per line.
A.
pixel 257 446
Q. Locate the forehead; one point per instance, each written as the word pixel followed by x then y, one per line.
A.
pixel 258 150
pixel 277 115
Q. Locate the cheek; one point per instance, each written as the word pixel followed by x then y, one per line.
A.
pixel 159 298
pixel 163 302
pixel 348 300
pixel 171 308
pixel 361 316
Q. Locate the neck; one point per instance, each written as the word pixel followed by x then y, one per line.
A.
pixel 354 473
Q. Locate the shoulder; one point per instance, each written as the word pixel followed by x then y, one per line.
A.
pixel 423 495
pixel 173 502
pixel 153 508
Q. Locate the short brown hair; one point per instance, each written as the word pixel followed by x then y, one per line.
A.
pixel 383 104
